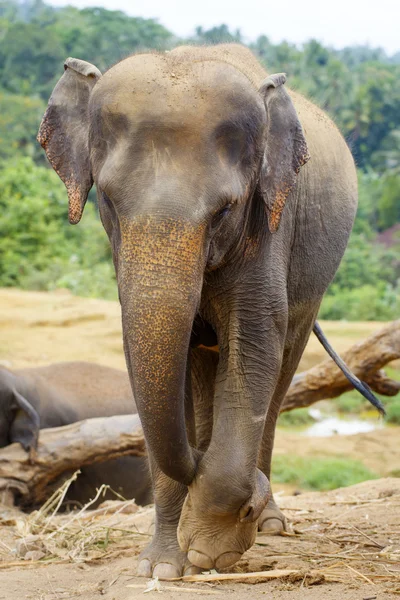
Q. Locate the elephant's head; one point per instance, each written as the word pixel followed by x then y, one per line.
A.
pixel 191 160
pixel 19 420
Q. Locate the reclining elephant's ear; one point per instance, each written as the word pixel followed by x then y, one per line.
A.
pixel 286 148
pixel 64 132
pixel 26 423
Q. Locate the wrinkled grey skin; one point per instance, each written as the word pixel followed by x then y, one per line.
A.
pixel 63 393
pixel 222 233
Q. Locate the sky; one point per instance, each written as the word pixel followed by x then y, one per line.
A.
pixel 336 23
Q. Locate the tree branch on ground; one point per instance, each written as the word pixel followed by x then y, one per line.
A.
pixel 64 449
pixel 365 359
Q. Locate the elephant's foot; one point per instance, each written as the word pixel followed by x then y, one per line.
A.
pixel 164 559
pixel 219 544
pixel 215 538
pixel 272 520
pixel 213 542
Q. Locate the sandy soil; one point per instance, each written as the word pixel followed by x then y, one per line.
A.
pixel 38 328
pixel 344 544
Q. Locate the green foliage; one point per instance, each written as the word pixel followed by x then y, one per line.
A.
pixel 393 411
pixel 359 87
pixel 38 247
pixel 103 37
pixel 379 302
pixel 216 35
pixel 37 39
pixel 296 417
pixel 319 473
pixel 30 59
pixel 351 403
pixel 364 264
pixel 367 285
pixel 19 118
pixel 389 204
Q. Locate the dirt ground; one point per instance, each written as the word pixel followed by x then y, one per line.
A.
pixel 38 328
pixel 343 544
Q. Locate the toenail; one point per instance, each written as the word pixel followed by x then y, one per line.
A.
pixel 144 568
pixel 272 524
pixel 200 560
pixel 192 570
pixel 227 559
pixel 166 571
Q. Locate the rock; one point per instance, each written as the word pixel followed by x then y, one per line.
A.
pixel 29 544
pixel 34 555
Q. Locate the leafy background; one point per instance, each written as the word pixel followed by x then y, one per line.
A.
pixel 358 86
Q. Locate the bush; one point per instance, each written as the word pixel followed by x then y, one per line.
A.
pixel 19 118
pixel 367 284
pixel 393 411
pixel 351 402
pixel 379 302
pixel 298 416
pixel 39 249
pixel 319 473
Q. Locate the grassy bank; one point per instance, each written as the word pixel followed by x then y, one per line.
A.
pixel 319 473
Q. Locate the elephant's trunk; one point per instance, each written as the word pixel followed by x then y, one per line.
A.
pixel 160 270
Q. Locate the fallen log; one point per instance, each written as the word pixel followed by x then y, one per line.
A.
pixel 65 449
pixel 365 359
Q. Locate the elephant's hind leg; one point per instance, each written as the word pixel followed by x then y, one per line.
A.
pixel 272 520
pixel 163 557
pixel 204 363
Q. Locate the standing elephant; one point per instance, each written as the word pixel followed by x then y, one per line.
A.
pixel 62 393
pixel 222 233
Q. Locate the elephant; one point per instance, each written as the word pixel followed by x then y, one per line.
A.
pixel 62 393
pixel 228 201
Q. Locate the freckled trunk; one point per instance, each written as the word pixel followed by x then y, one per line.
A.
pixel 160 278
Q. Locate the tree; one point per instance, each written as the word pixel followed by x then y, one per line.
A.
pixel 216 35
pixel 358 86
pixel 39 249
pixel 19 118
pixel 31 59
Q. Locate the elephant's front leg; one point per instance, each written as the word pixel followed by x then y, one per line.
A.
pixel 163 557
pixel 219 517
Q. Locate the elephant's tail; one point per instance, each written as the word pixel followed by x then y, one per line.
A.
pixel 361 386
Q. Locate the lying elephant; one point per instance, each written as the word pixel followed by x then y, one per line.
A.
pixel 59 394
pixel 222 233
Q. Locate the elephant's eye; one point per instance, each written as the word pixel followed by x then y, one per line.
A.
pixel 217 218
pixel 224 211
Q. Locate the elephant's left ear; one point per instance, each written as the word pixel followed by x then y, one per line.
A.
pixel 64 132
pixel 286 148
pixel 25 425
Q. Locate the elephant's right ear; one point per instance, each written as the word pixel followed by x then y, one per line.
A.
pixel 64 132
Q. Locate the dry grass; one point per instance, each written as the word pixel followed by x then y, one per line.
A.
pixel 348 535
pixel 82 535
